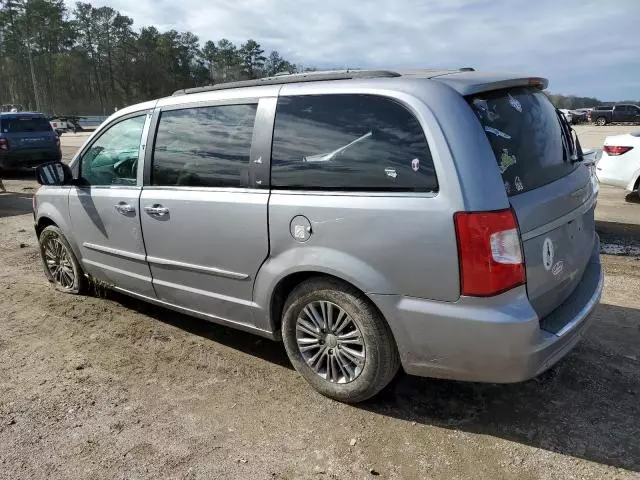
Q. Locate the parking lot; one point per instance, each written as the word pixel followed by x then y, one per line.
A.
pixel 105 386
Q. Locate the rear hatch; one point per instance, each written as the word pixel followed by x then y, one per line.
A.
pixel 552 194
pixel 27 132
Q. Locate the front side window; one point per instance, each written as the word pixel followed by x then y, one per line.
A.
pixel 349 142
pixel 204 147
pixel 113 158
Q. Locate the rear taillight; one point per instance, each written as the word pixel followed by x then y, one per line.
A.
pixel 4 145
pixel 57 141
pixel 489 252
pixel 614 151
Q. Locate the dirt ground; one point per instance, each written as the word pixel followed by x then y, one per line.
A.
pixel 104 386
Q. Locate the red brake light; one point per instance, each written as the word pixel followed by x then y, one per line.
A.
pixel 489 252
pixel 615 150
pixel 4 145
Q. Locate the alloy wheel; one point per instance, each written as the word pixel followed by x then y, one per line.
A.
pixel 58 263
pixel 330 342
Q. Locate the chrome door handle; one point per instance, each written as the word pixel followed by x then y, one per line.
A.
pixel 157 210
pixel 124 208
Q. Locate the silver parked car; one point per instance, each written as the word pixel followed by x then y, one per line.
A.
pixel 441 221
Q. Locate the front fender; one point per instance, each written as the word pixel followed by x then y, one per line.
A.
pixel 53 204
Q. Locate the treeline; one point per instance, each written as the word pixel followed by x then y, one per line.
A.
pixel 571 102
pixel 91 60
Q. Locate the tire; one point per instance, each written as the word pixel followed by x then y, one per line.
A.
pixel 349 381
pixel 601 121
pixel 55 248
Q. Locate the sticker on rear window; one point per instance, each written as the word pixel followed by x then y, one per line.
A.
pixel 506 160
pixel 415 164
pixel 515 103
pixel 518 183
pixel 497 133
pixel 391 172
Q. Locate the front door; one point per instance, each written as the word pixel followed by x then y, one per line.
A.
pixel 205 227
pixel 104 209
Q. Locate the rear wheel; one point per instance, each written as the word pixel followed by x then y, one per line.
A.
pixel 338 341
pixel 60 264
pixel 601 121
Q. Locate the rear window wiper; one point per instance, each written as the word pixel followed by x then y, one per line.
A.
pixel 575 155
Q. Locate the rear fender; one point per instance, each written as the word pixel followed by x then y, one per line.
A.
pixel 316 260
pixel 633 184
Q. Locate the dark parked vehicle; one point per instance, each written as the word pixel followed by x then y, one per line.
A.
pixel 27 140
pixel 622 113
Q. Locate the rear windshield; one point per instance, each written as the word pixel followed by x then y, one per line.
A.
pixel 25 124
pixel 524 131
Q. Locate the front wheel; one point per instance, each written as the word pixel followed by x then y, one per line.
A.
pixel 338 341
pixel 601 121
pixel 60 264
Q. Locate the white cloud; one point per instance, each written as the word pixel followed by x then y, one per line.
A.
pixel 585 47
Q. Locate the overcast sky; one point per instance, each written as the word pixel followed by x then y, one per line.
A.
pixel 584 47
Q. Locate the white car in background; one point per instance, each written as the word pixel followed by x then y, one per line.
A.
pixel 620 162
pixel 567 114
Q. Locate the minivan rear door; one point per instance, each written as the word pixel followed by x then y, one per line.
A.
pixel 28 132
pixel 551 193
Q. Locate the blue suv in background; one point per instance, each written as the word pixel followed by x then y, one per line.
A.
pixel 27 140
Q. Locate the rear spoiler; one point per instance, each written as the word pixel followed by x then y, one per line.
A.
pixel 470 83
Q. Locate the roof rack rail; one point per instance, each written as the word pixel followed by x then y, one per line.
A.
pixel 282 78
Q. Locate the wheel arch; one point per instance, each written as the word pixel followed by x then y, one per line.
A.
pixel 288 283
pixel 42 223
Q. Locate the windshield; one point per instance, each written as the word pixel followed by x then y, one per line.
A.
pixel 25 124
pixel 531 147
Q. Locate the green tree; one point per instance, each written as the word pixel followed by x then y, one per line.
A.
pixel 91 60
pixel 275 64
pixel 252 59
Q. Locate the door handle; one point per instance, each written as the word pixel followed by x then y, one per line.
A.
pixel 156 209
pixel 124 208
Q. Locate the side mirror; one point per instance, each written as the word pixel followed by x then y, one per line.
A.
pixel 54 173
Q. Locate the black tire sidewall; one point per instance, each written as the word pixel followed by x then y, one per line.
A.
pixel 79 283
pixel 381 362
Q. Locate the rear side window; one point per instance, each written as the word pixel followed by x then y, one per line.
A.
pixel 25 124
pixel 349 142
pixel 525 134
pixel 204 147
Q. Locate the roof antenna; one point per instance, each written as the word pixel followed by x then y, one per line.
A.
pixel 467 69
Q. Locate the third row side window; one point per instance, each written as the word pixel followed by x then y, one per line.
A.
pixel 349 142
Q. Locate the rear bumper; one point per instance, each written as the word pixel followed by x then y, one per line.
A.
pixel 27 158
pixel 496 339
pixel 616 171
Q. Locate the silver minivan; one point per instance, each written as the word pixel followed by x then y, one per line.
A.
pixel 442 221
